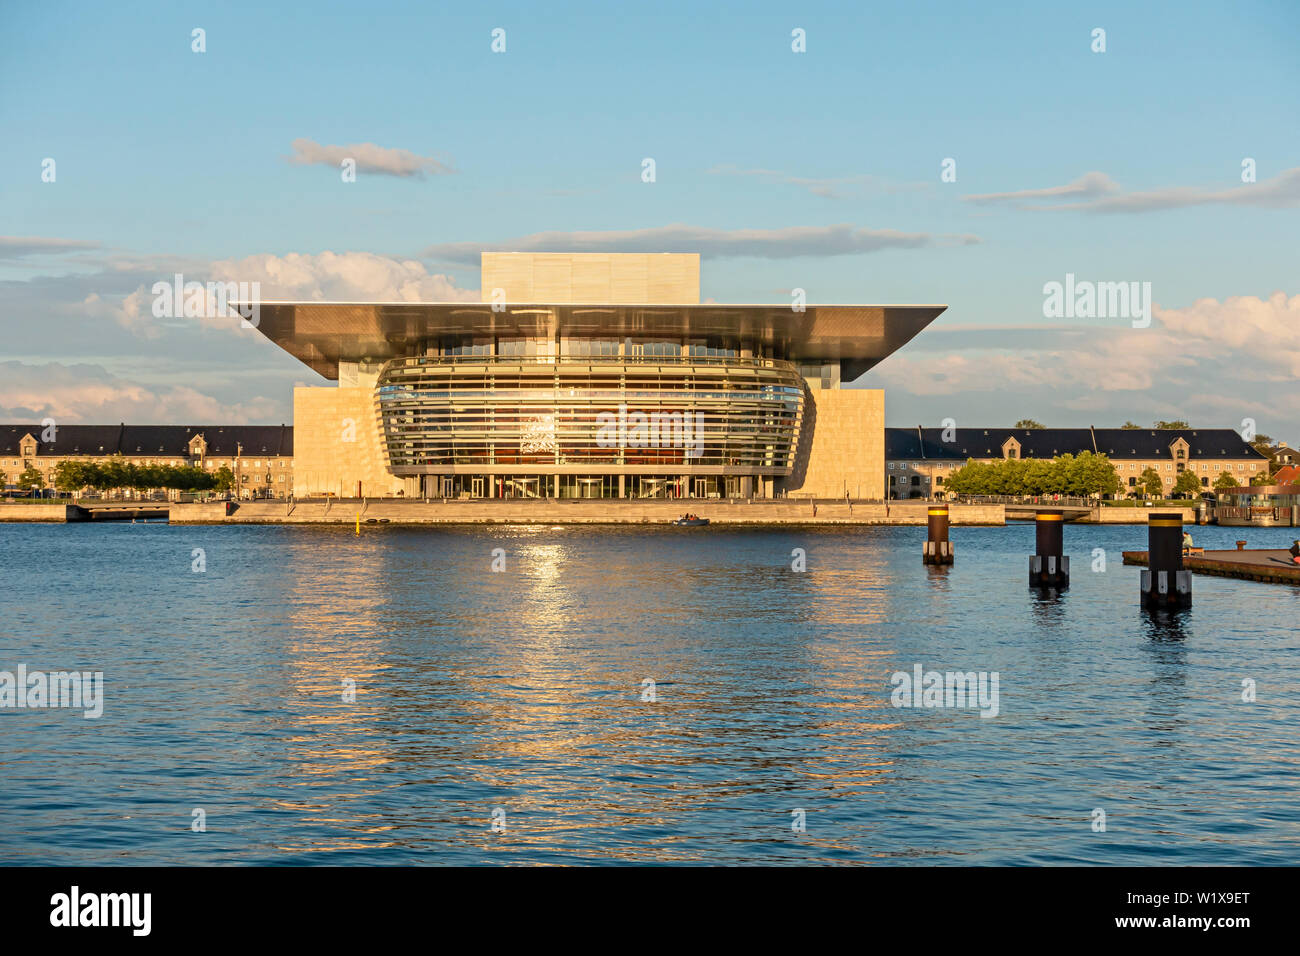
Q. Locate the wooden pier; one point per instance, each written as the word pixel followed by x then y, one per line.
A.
pixel 1261 564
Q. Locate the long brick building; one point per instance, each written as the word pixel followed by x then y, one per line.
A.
pixel 260 456
pixel 919 460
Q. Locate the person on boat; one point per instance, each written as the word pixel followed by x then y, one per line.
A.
pixel 1187 542
pixel 1295 551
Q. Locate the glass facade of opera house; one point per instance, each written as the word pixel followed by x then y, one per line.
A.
pixel 611 380
pixel 673 417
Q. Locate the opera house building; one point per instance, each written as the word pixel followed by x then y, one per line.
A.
pixel 588 376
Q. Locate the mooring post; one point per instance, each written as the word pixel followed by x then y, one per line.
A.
pixel 1049 568
pixel 1164 582
pixel 938 549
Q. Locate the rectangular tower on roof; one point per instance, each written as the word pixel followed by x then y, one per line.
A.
pixel 593 278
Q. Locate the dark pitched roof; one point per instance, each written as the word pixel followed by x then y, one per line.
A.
pixel 902 443
pixel 151 440
pixel 223 440
pixel 1203 443
pixel 928 443
pixel 70 439
pixel 1117 443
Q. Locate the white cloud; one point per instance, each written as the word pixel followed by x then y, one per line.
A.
pixel 1258 336
pixel 1100 194
pixel 369 158
pixel 131 311
pixel 88 394
pixel 15 247
pixel 325 277
pixel 1089 184
pixel 787 243
pixel 1213 362
pixel 342 277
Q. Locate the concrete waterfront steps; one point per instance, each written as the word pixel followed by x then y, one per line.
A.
pixel 1259 564
pixel 573 511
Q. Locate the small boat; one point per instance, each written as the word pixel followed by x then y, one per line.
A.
pixel 693 521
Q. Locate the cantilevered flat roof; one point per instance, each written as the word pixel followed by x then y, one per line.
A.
pixel 322 334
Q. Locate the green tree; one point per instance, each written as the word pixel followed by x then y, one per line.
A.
pixel 1177 423
pixel 1040 476
pixel 1006 477
pixel 1029 423
pixel 94 476
pixel 31 478
pixel 1130 425
pixel 1225 481
pixel 964 480
pixel 1088 474
pixel 1150 483
pixel 1263 444
pixel 225 479
pixel 70 476
pixel 114 473
pixel 1187 484
pixel 1097 475
pixel 145 477
pixel 1066 474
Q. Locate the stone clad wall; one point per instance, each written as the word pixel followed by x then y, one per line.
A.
pixel 324 462
pixel 842 445
pixel 593 278
pixel 57 511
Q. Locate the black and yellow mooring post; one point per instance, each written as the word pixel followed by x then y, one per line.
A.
pixel 1164 582
pixel 938 549
pixel 1049 568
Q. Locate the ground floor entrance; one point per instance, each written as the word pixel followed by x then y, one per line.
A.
pixel 594 486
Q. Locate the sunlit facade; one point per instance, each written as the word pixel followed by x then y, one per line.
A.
pixel 556 386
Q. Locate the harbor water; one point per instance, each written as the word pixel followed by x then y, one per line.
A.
pixel 308 695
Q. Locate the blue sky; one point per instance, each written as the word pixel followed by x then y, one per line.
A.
pixel 167 158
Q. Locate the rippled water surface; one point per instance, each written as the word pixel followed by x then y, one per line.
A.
pixel 522 691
